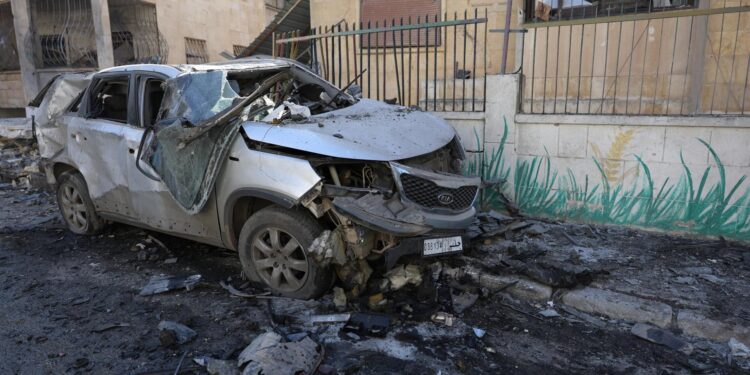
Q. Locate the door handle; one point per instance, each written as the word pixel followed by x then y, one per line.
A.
pixel 131 151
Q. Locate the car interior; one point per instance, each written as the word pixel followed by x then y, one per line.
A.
pixel 110 100
pixel 153 93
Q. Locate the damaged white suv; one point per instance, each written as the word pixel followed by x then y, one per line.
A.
pixel 259 155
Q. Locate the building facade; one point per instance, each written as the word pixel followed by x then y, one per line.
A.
pixel 41 38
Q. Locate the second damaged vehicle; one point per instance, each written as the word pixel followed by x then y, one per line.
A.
pixel 261 156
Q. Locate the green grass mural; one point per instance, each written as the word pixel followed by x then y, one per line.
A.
pixel 691 204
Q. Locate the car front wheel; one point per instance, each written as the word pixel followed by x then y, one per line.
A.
pixel 273 249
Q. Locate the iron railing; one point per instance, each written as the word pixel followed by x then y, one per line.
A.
pixel 63 33
pixel 135 33
pixel 690 61
pixel 435 63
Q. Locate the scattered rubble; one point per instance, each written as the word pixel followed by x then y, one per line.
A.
pixel 403 275
pixel 661 337
pixel 162 283
pixel 490 310
pixel 444 318
pixel 19 164
pixel 478 332
pixel 549 313
pixel 267 354
pixel 738 349
pixel 339 298
pixel 368 324
pixel 330 318
pixel 463 300
pixel 173 333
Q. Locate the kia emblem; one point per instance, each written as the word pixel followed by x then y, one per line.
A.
pixel 445 198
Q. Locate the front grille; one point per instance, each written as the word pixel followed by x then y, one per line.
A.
pixel 426 193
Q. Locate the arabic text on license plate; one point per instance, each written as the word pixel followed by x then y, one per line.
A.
pixel 437 246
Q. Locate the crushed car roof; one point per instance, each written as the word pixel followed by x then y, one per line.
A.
pixel 248 63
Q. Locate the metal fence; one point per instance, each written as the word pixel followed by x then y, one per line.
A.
pixel 645 60
pixel 435 63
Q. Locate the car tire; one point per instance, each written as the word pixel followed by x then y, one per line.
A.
pixel 273 248
pixel 76 208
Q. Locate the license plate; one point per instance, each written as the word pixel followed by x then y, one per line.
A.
pixel 437 246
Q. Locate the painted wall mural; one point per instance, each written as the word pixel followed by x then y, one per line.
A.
pixel 701 201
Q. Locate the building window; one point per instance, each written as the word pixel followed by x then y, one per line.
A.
pixel 53 50
pixel 553 10
pixel 386 12
pixel 135 33
pixel 195 51
pixel 63 33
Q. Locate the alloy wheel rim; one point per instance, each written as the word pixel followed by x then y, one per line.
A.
pixel 74 210
pixel 279 259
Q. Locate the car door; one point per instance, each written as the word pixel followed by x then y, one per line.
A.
pixel 95 143
pixel 150 198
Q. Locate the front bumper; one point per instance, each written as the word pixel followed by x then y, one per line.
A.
pixel 415 246
pixel 402 220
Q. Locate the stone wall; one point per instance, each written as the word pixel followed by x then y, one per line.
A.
pixel 685 174
pixel 11 90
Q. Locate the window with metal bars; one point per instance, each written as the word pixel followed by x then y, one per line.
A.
pixel 63 33
pixel 555 10
pixel 195 51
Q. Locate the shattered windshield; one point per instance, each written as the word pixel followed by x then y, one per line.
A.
pixel 200 98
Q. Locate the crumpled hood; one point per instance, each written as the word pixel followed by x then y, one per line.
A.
pixel 367 130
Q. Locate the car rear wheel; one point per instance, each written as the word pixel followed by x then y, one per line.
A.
pixel 75 205
pixel 273 247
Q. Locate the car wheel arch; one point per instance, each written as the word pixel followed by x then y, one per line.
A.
pixel 59 168
pixel 243 203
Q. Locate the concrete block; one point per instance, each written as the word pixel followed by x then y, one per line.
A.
pixel 469 129
pixel 622 142
pixel 502 103
pixel 695 324
pixel 686 140
pixel 731 146
pixel 619 306
pixel 573 140
pixel 523 287
pixel 537 139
